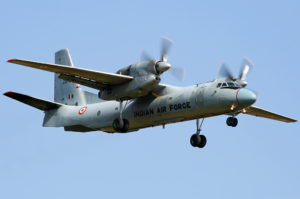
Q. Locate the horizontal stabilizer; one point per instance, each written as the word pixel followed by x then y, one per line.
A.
pixel 252 110
pixel 31 101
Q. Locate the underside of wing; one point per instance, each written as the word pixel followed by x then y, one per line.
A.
pixel 83 81
pixel 255 111
pixel 94 79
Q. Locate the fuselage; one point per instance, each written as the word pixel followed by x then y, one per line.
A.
pixel 167 104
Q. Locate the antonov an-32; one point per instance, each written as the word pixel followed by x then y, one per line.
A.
pixel 133 97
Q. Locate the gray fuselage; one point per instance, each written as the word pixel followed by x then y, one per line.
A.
pixel 166 104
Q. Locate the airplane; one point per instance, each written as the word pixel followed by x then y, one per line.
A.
pixel 133 98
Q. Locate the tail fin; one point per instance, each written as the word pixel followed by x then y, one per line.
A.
pixel 67 92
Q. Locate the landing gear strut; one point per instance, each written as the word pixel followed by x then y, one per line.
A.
pixel 120 124
pixel 232 121
pixel 198 140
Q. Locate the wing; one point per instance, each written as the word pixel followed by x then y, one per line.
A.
pixel 90 78
pixel 252 110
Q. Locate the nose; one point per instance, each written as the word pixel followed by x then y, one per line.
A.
pixel 245 97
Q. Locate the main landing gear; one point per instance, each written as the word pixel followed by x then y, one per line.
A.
pixel 198 140
pixel 120 124
pixel 232 121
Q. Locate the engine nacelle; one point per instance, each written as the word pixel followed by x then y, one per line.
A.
pixel 139 86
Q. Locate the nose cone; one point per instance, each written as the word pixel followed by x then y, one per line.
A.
pixel 245 97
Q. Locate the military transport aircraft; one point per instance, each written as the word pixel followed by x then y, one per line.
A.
pixel 133 97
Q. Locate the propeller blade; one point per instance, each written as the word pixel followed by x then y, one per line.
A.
pixel 247 63
pixel 145 56
pixel 178 73
pixel 225 72
pixel 165 48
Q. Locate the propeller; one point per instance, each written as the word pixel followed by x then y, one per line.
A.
pixel 162 65
pixel 178 73
pixel 145 56
pixel 247 64
pixel 165 48
pixel 224 71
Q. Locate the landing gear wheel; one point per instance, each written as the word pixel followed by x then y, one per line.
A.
pixel 235 122
pixel 203 141
pixel 198 140
pixel 232 121
pixel 120 127
pixel 195 140
pixel 125 126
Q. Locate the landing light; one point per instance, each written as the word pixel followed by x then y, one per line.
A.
pixel 232 107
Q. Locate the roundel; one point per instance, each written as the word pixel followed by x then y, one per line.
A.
pixel 82 110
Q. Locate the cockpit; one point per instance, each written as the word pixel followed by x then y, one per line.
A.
pixel 229 84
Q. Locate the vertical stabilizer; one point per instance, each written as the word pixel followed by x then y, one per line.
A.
pixel 66 92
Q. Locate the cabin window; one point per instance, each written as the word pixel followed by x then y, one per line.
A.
pixel 98 113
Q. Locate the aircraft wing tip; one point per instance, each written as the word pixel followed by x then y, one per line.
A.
pixel 11 60
pixel 8 93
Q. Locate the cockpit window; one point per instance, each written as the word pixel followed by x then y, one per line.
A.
pixel 237 85
pixel 219 84
pixel 224 85
pixel 232 85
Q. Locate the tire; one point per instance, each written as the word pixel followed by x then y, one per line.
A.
pixel 202 142
pixel 234 122
pixel 116 125
pixel 125 126
pixel 229 121
pixel 195 140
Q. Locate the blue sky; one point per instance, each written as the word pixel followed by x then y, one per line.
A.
pixel 257 159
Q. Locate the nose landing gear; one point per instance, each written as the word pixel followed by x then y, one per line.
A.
pixel 198 140
pixel 232 121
